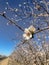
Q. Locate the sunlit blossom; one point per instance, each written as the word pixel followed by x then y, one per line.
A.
pixel 20 5
pixel 4 12
pixel 28 32
pixel 24 3
pixel 16 9
pixel 7 3
pixel 27 35
pixel 32 29
pixel 5 8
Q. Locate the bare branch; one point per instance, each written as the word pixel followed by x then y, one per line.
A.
pixel 13 22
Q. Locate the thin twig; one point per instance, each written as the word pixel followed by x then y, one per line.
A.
pixel 2 14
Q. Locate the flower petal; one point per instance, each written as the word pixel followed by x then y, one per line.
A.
pixel 32 29
pixel 26 30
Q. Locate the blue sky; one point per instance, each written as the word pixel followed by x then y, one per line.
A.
pixel 7 33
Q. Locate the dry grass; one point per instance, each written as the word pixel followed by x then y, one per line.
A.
pixel 4 61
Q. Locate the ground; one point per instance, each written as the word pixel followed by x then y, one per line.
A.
pixel 4 61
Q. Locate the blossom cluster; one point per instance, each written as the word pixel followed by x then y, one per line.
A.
pixel 28 32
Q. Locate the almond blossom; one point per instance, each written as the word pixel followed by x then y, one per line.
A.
pixel 28 32
pixel 27 35
pixel 32 29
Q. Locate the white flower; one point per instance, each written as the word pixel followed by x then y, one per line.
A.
pixel 24 3
pixel 7 3
pixel 4 12
pixel 27 35
pixel 32 29
pixel 20 5
pixel 16 9
pixel 15 15
pixel 28 32
pixel 5 8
